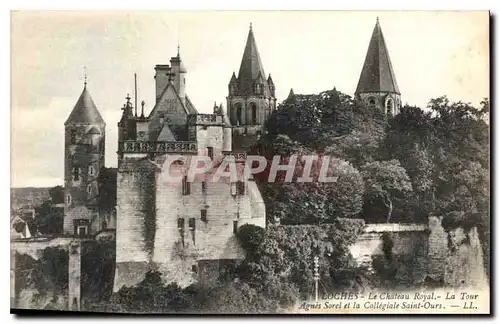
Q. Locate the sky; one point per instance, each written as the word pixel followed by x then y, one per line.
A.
pixel 433 53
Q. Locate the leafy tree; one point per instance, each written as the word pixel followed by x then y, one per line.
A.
pixel 385 181
pixel 107 189
pixel 49 219
pixel 309 202
pixel 57 195
pixel 286 253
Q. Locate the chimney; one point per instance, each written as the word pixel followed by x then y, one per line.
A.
pixel 161 79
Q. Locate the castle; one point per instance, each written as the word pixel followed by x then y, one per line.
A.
pixel 186 230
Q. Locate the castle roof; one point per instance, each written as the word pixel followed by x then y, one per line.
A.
pixel 377 74
pixel 251 67
pixel 85 111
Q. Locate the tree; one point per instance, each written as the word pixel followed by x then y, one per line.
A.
pixel 311 202
pixel 57 195
pixel 385 181
pixel 284 258
pixel 49 219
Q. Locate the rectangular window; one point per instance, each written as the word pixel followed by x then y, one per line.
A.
pixel 68 199
pixel 235 226
pixel 194 268
pixel 180 224
pixel 210 152
pixel 186 186
pixel 82 231
pixel 204 187
pixel 204 215
pixel 240 188
pixel 192 223
pixel 76 174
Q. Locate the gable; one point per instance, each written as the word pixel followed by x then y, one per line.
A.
pixel 169 105
pixel 171 111
pixel 166 134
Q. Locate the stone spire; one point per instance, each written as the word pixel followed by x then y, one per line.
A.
pixel 377 74
pixel 85 110
pixel 251 67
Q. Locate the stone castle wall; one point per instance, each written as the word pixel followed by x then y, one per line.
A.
pixel 453 259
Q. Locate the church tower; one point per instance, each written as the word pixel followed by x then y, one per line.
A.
pixel 251 97
pixel 377 85
pixel 84 157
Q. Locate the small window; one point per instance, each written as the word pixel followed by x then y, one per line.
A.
pixel 371 102
pixel 89 188
pixel 76 174
pixel 240 188
pixel 68 199
pixel 204 215
pixel 180 224
pixel 390 107
pixel 235 226
pixel 91 170
pixel 186 186
pixel 192 223
pixel 72 136
pixel 204 187
pixel 194 268
pixel 82 231
pixel 210 152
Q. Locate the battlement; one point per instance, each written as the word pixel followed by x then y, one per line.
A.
pixel 206 120
pixel 157 147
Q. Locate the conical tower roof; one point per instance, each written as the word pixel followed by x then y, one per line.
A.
pixel 251 66
pixel 85 111
pixel 377 74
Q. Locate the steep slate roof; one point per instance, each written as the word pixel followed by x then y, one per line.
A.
pixel 377 74
pixel 251 67
pixel 190 107
pixel 85 111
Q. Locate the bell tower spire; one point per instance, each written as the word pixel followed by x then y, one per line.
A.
pixel 251 98
pixel 377 85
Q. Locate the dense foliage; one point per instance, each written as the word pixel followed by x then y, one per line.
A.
pixel 47 275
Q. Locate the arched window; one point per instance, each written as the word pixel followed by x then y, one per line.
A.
pixel 254 114
pixel 238 114
pixel 389 107
pixel 372 102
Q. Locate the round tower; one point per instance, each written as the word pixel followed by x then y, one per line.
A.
pixel 84 158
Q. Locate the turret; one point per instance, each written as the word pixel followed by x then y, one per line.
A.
pixel 179 72
pixel 84 157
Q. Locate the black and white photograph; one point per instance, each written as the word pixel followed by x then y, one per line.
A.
pixel 250 162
